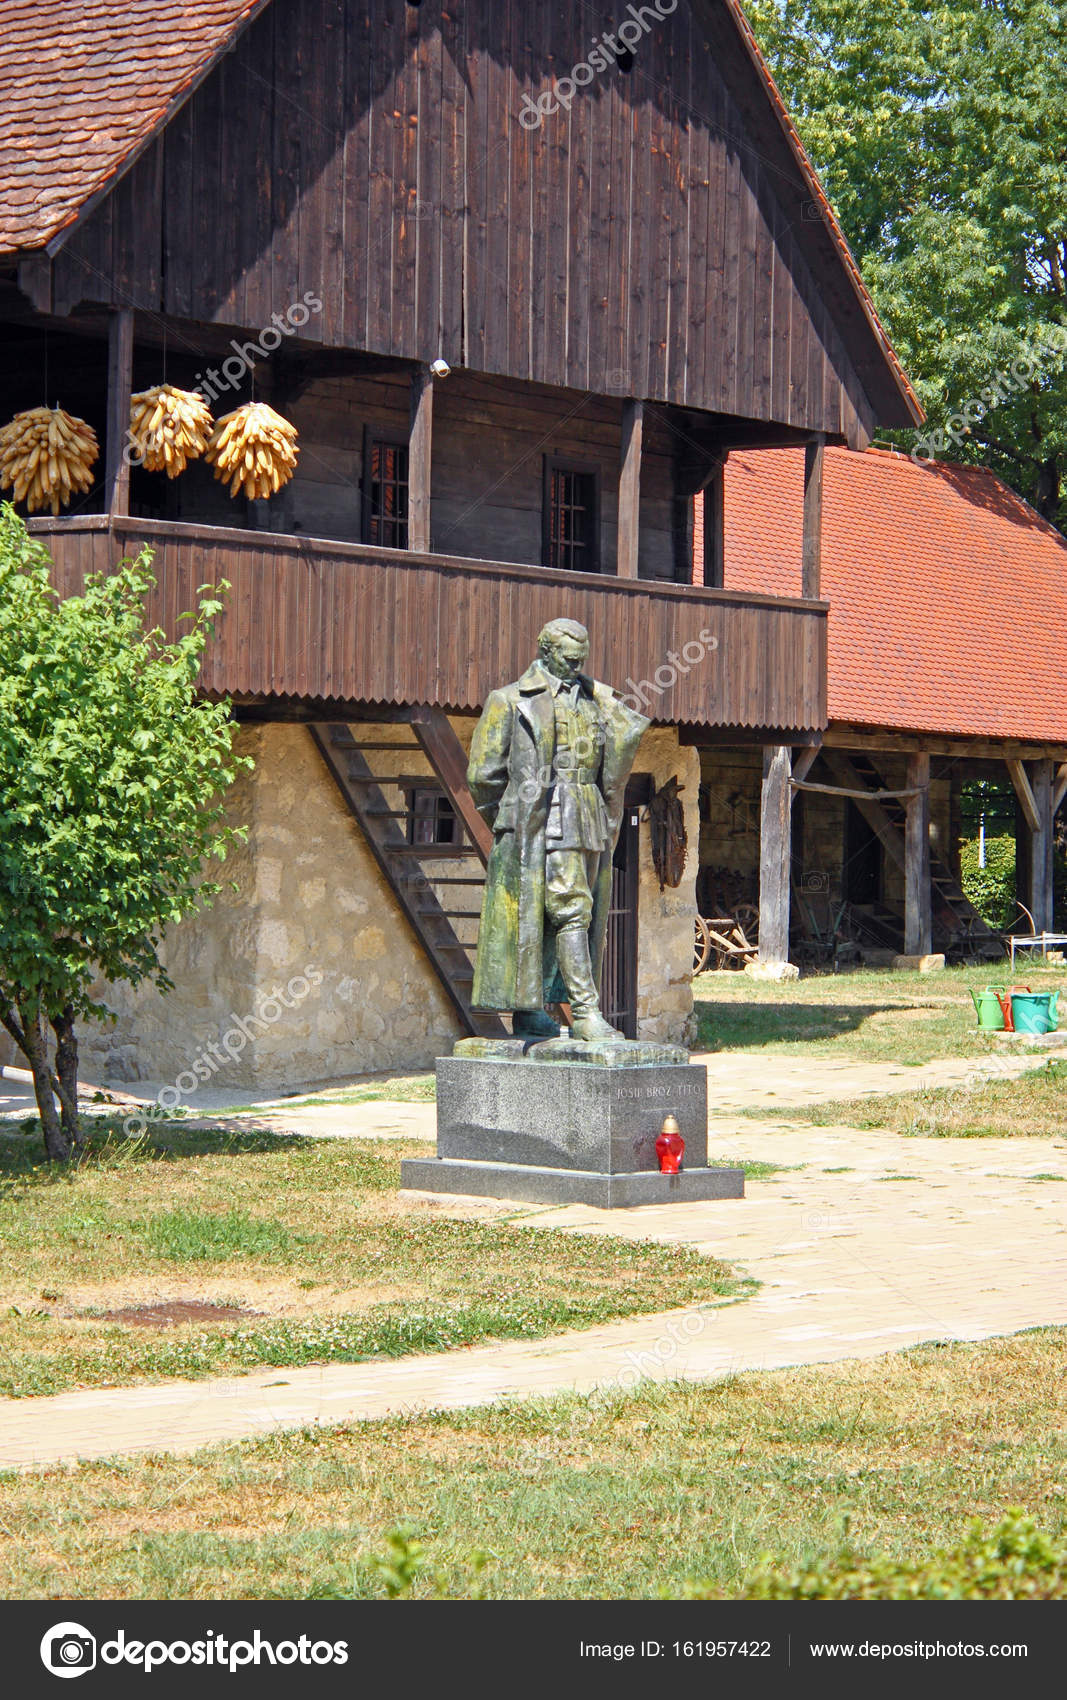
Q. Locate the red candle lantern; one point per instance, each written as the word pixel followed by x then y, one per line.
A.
pixel 670 1147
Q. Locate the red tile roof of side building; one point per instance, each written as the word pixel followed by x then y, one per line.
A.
pixel 84 87
pixel 947 592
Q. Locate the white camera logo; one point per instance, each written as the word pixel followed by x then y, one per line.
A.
pixel 68 1650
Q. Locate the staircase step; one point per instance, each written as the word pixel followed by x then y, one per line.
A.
pixel 430 852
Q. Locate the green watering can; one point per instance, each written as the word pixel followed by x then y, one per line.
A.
pixel 989 1008
pixel 1034 1012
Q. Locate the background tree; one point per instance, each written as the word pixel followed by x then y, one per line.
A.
pixel 112 783
pixel 940 132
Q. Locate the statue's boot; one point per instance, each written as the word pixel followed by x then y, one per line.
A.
pixel 572 949
pixel 534 1024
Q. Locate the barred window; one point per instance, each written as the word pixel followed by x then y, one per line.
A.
pixel 385 493
pixel 571 524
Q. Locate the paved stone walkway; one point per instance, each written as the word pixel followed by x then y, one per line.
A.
pixel 875 1243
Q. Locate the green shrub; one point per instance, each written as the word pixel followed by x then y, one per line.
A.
pixel 1013 1561
pixel 991 889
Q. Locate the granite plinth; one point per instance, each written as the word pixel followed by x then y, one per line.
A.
pixel 569 1133
pixel 570 1115
pixel 528 1184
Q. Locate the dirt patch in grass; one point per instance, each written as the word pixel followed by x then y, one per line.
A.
pixel 175 1311
pixel 312 1237
pixel 614 1496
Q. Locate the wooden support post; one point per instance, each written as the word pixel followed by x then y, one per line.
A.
pixel 420 446
pixel 119 387
pixel 1041 847
pixel 1059 790
pixel 918 921
pixel 715 529
pixel 630 489
pixel 776 850
pixel 1024 791
pixel 811 576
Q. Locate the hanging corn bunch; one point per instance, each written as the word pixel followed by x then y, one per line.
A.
pixel 46 456
pixel 169 427
pixel 254 449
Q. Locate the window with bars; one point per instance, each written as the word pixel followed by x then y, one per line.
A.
pixel 571 524
pixel 385 492
pixel 431 817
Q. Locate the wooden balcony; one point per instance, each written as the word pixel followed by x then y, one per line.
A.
pixel 333 625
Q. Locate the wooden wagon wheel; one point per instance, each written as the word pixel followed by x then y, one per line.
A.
pixel 701 945
pixel 747 917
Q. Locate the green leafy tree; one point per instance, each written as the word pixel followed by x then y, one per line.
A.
pixel 940 132
pixel 112 781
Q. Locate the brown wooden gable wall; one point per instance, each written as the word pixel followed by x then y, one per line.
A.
pixel 370 152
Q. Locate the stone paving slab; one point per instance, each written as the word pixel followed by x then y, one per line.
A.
pixel 853 1265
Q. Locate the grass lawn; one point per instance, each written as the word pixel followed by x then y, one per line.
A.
pixel 1032 1104
pixel 303 1245
pixel 614 1496
pixel 870 1015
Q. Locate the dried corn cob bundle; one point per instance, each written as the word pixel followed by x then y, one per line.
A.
pixel 254 449
pixel 169 427
pixel 46 456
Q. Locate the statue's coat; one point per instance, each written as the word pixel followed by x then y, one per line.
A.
pixel 510 776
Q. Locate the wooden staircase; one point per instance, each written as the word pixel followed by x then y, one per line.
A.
pixel 431 898
pixel 957 923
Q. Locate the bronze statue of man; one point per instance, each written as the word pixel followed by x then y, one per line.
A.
pixel 549 762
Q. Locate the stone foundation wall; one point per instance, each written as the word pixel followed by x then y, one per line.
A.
pixel 665 919
pixel 308 971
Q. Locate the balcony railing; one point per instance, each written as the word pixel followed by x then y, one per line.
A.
pixel 335 624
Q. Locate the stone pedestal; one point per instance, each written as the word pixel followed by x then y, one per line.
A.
pixel 560 1132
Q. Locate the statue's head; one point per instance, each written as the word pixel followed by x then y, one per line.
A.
pixel 563 647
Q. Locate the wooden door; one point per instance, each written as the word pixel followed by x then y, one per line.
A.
pixel 618 982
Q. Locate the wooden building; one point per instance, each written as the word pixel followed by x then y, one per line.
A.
pixel 945 589
pixel 523 276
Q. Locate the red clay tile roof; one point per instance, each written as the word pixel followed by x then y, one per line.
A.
pixel 83 87
pixel 947 592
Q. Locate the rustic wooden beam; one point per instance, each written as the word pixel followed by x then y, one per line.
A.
pixel 1059 789
pixel 775 853
pixel 844 791
pixel 958 749
pixel 918 914
pixel 630 489
pixel 804 763
pixel 1041 893
pixel 119 388
pixel 811 577
pixel 1024 791
pixel 420 450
